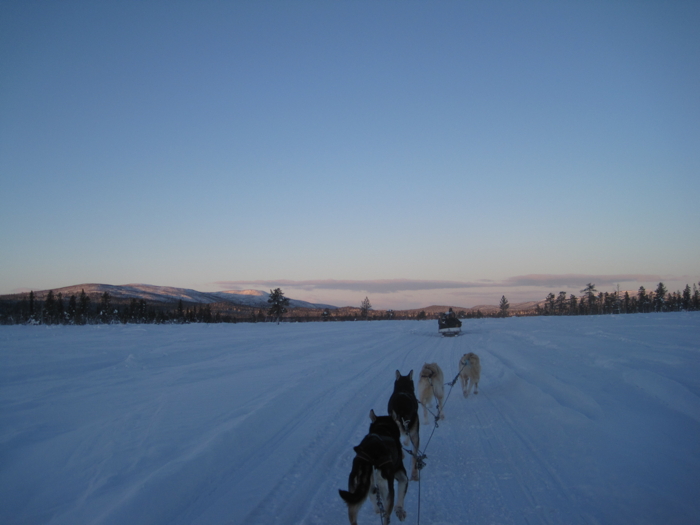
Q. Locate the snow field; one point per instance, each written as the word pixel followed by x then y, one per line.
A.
pixel 589 420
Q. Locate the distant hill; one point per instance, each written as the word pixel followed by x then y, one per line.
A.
pixel 245 298
pixel 168 295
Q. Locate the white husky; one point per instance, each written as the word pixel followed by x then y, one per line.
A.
pixel 469 370
pixel 430 385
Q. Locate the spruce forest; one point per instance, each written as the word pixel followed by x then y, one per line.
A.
pixel 54 309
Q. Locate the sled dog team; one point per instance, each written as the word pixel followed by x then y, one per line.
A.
pixel 379 457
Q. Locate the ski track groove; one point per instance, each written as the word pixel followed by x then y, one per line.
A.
pixel 289 500
pixel 303 501
pixel 416 349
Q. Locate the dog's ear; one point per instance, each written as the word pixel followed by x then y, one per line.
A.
pixel 398 374
pixel 372 415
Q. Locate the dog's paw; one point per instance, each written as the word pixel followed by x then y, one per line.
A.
pixel 400 513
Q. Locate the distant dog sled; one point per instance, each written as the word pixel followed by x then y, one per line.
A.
pixel 448 324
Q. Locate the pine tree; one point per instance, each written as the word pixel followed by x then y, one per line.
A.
pixel 642 299
pixel 561 303
pixel 504 305
pixel 105 308
pixel 660 298
pixel 32 307
pixel 205 313
pixel 686 302
pixel 72 309
pixel 49 308
pixel 131 312
pixel 60 309
pixel 365 307
pixel 180 312
pixel 549 304
pixel 278 304
pixel 589 292
pixel 573 305
pixel 83 307
pixel 142 314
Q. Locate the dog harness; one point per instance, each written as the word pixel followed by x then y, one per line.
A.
pixel 365 457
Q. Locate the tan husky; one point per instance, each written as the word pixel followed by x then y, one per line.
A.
pixel 430 385
pixel 469 373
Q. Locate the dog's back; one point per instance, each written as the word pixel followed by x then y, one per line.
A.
pixel 470 373
pixel 430 385
pixel 403 401
pixel 403 407
pixel 476 366
pixel 377 463
pixel 385 426
pixel 370 454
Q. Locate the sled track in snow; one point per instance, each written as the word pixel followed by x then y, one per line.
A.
pixel 575 422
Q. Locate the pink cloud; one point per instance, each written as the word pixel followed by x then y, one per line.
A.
pixel 388 286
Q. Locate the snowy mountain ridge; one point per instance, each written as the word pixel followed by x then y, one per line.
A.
pixel 169 294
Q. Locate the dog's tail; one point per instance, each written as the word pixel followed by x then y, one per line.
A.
pixel 359 484
pixel 353 498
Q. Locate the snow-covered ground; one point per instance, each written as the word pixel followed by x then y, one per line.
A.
pixel 578 420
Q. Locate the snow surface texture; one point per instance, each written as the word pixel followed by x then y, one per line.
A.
pixel 577 420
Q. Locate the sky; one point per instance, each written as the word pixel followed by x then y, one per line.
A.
pixel 415 153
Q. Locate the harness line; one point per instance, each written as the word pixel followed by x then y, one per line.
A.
pixel 382 512
pixel 421 455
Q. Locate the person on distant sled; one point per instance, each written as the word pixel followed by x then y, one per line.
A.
pixel 448 324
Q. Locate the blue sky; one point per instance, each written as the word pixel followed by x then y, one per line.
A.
pixel 450 149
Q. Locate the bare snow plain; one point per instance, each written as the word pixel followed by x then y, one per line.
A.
pixel 578 420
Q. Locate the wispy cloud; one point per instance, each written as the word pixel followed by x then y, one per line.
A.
pixel 369 286
pixel 388 286
pixel 573 280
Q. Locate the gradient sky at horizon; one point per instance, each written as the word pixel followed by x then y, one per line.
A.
pixel 208 145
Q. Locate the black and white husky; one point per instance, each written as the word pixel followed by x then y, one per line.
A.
pixel 378 461
pixel 403 407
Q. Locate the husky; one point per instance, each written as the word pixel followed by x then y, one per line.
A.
pixel 469 369
pixel 403 407
pixel 430 385
pixel 378 461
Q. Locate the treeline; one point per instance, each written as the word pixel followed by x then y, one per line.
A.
pixel 81 310
pixel 593 302
pixel 55 309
